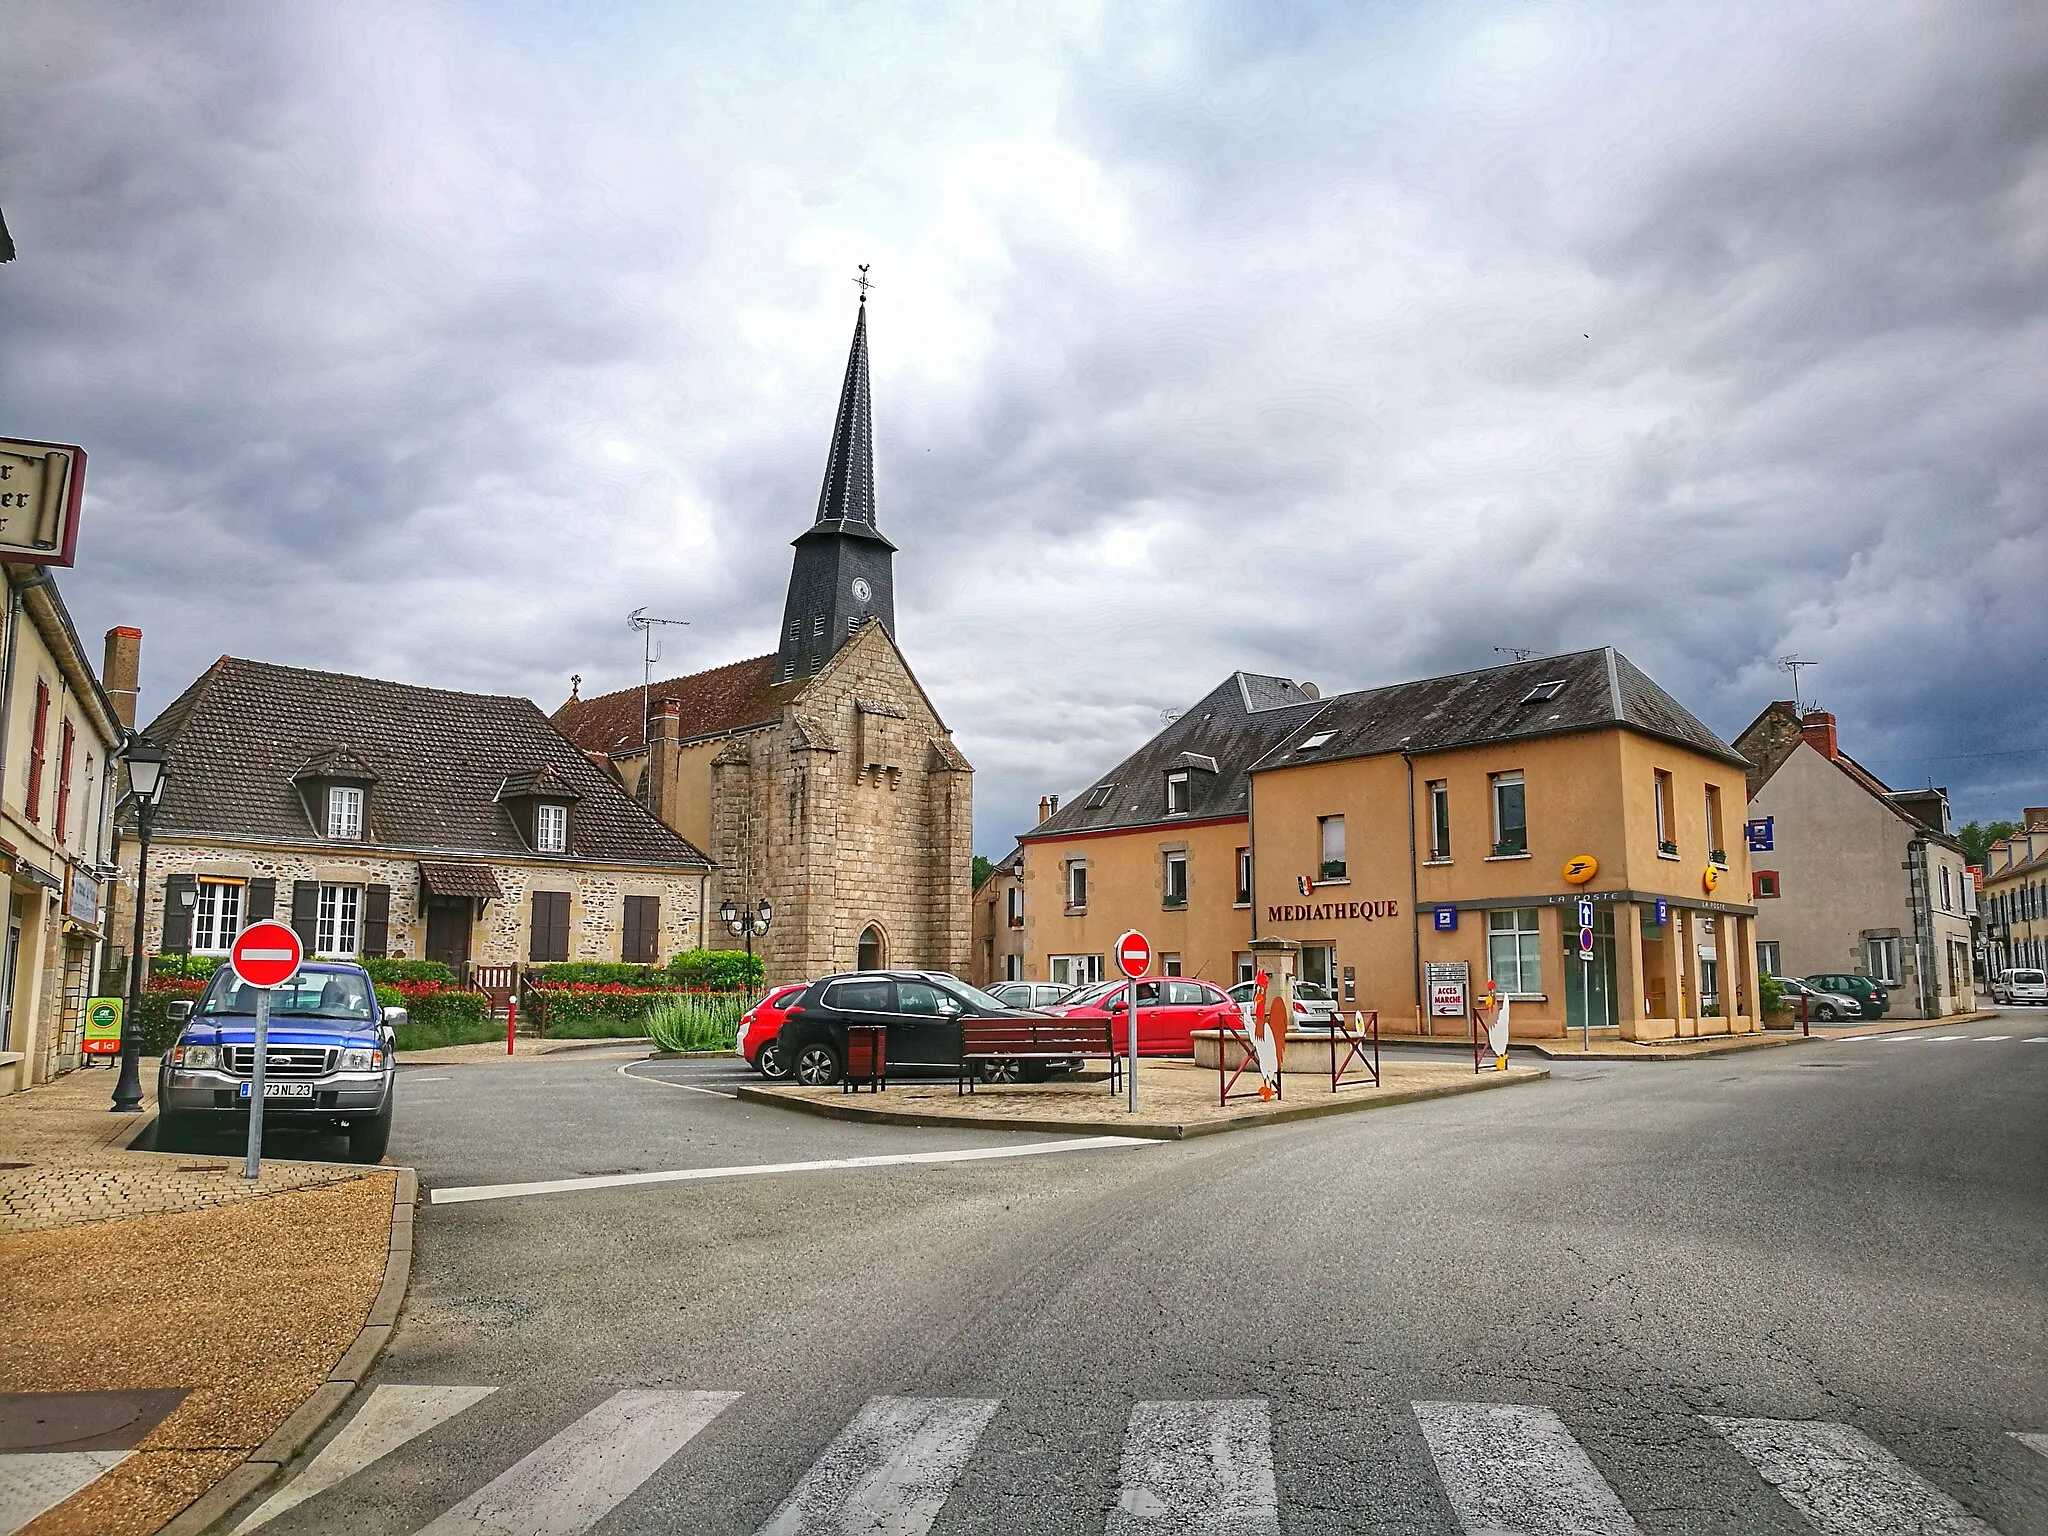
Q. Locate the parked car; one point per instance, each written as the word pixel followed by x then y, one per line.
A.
pixel 1872 998
pixel 2020 986
pixel 1821 1007
pixel 920 1010
pixel 329 1063
pixel 759 1026
pixel 1031 994
pixel 1315 1006
pixel 1170 1010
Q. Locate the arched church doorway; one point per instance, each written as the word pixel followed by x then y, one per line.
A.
pixel 871 955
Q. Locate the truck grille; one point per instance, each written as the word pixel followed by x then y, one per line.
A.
pixel 283 1060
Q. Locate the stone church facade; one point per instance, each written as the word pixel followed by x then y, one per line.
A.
pixel 819 778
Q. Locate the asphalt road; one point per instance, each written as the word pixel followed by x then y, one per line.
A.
pixel 1508 1311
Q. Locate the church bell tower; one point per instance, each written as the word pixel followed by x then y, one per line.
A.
pixel 842 575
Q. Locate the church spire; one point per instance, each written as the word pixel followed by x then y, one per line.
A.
pixel 849 492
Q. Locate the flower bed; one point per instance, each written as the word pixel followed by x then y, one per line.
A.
pixel 439 1014
pixel 598 1010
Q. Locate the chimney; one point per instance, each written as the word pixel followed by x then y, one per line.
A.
pixel 1054 802
pixel 1819 730
pixel 1044 807
pixel 121 672
pixel 664 743
pixel 2034 818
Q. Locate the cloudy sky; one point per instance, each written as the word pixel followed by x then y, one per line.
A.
pixel 1345 342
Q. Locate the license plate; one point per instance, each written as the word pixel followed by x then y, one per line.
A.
pixel 282 1090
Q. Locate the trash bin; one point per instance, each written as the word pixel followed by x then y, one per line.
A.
pixel 867 1058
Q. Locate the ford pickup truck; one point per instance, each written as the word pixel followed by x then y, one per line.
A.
pixel 328 1065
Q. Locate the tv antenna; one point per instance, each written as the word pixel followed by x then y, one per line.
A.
pixel 1519 652
pixel 1792 664
pixel 650 653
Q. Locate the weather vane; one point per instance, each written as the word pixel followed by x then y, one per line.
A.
pixel 862 282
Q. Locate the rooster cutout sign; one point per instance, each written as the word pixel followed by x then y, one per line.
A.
pixel 1272 1008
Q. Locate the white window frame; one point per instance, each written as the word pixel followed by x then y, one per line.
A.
pixel 1661 791
pixel 1712 802
pixel 1514 951
pixel 550 828
pixel 1178 796
pixel 1440 821
pixel 1013 967
pixel 1074 970
pixel 1243 895
pixel 1247 968
pixel 1947 891
pixel 1176 861
pixel 1328 962
pixel 1881 959
pixel 1013 907
pixel 1169 965
pixel 1768 957
pixel 1077 885
pixel 338 922
pixel 1325 827
pixel 217 915
pixel 344 811
pixel 1496 782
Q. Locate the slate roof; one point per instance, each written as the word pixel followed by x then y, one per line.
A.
pixel 1238 722
pixel 1600 688
pixel 238 735
pixel 730 698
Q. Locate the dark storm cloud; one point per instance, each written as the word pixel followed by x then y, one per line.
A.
pixel 429 340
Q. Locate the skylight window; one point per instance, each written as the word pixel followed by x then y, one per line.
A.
pixel 1543 692
pixel 1099 797
pixel 1320 739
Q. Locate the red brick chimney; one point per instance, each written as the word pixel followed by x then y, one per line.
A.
pixel 1044 807
pixel 664 745
pixel 2034 818
pixel 1819 730
pixel 121 671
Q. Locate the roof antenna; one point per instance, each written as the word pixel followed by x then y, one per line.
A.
pixel 862 282
pixel 650 653
pixel 1792 664
pixel 1519 652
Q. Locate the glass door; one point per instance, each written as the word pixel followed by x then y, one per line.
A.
pixel 1589 996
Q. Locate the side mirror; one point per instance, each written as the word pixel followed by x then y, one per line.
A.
pixel 395 1018
pixel 179 1011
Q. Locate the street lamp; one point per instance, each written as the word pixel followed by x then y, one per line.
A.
pixel 748 923
pixel 148 773
pixel 188 898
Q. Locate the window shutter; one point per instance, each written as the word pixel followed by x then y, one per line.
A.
pixel 32 796
pixel 643 928
pixel 376 921
pixel 550 927
pixel 260 901
pixel 177 916
pixel 306 912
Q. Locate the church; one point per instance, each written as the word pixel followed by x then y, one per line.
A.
pixel 820 777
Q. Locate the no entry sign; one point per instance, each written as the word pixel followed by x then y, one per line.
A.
pixel 266 955
pixel 1134 954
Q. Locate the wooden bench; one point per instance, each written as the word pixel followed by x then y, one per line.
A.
pixel 995 1044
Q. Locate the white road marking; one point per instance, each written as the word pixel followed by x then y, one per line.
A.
pixel 662 1082
pixel 1987 1039
pixel 888 1472
pixel 389 1418
pixel 34 1481
pixel 461 1194
pixel 1509 1468
pixel 410 1079
pixel 2037 1443
pixel 582 1474
pixel 1944 1039
pixel 2037 1040
pixel 1845 1483
pixel 1202 1467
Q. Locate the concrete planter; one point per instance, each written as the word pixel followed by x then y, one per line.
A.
pixel 1305 1052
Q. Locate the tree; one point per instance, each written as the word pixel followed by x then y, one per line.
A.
pixel 1977 840
pixel 982 870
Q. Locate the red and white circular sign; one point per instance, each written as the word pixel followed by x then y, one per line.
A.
pixel 266 955
pixel 1134 954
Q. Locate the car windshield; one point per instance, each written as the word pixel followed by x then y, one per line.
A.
pixel 1314 992
pixel 975 995
pixel 1093 994
pixel 308 995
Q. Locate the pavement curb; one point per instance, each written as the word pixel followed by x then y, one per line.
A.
pixel 270 1458
pixel 832 1110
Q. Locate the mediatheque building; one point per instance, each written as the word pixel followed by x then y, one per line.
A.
pixel 1390 836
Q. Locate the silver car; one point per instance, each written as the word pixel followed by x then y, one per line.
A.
pixel 1821 1007
pixel 1315 1006
pixel 1031 994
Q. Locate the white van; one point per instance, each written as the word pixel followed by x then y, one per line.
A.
pixel 2020 987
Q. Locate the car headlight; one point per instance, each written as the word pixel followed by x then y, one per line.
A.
pixel 197 1057
pixel 361 1060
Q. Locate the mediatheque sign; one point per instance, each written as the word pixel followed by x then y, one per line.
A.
pixel 1333 911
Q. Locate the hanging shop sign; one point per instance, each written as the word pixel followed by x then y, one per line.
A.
pixel 1709 878
pixel 41 486
pixel 1760 833
pixel 1578 871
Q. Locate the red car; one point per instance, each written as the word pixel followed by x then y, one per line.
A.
pixel 759 1026
pixel 1170 1010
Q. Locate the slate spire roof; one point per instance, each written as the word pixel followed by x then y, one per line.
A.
pixel 848 495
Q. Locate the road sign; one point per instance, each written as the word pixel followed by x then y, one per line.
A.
pixel 1134 954
pixel 1760 833
pixel 102 1027
pixel 1663 911
pixel 41 486
pixel 1445 919
pixel 266 955
pixel 1448 981
pixel 1585 929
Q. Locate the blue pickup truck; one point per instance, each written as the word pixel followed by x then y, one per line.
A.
pixel 329 1064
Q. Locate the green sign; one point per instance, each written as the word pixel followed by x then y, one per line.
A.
pixel 102 1026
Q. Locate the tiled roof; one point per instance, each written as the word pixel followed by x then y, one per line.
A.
pixel 243 728
pixel 472 880
pixel 728 698
pixel 1505 703
pixel 1233 726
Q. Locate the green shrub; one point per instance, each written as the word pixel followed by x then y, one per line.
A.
pixel 1774 995
pixel 717 970
pixel 695 1021
pixel 593 973
pixel 186 967
pixel 382 969
pixel 158 1032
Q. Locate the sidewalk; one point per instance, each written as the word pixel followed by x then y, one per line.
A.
pixel 1611 1049
pixel 170 1274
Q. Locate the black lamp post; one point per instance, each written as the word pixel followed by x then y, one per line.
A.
pixel 148 771
pixel 749 923
pixel 188 898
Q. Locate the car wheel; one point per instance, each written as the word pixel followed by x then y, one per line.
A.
pixel 769 1064
pixel 817 1064
pixel 367 1139
pixel 1825 1012
pixel 1002 1072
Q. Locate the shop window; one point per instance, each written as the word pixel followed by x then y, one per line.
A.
pixel 1439 819
pixel 1514 951
pixel 1510 816
pixel 1331 833
pixel 338 928
pixel 1765 882
pixel 1244 877
pixel 216 917
pixel 1667 817
pixel 1177 793
pixel 1077 885
pixel 1176 880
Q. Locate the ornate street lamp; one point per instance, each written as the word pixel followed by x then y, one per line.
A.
pixel 749 923
pixel 149 770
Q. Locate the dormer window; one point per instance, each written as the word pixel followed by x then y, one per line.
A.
pixel 551 828
pixel 345 810
pixel 1177 797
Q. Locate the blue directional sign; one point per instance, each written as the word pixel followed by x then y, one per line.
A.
pixel 1585 913
pixel 1759 833
pixel 1445 919
pixel 1663 911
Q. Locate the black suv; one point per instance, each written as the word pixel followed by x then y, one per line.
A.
pixel 921 1010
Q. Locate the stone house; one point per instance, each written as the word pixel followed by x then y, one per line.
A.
pixel 383 819
pixel 1852 876
pixel 820 778
pixel 1001 952
pixel 2015 903
pixel 59 732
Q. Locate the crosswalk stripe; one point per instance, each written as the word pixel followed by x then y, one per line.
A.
pixel 34 1481
pixel 575 1479
pixel 1845 1483
pixel 389 1418
pixel 1198 1467
pixel 888 1471
pixel 2038 1443
pixel 1510 1468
